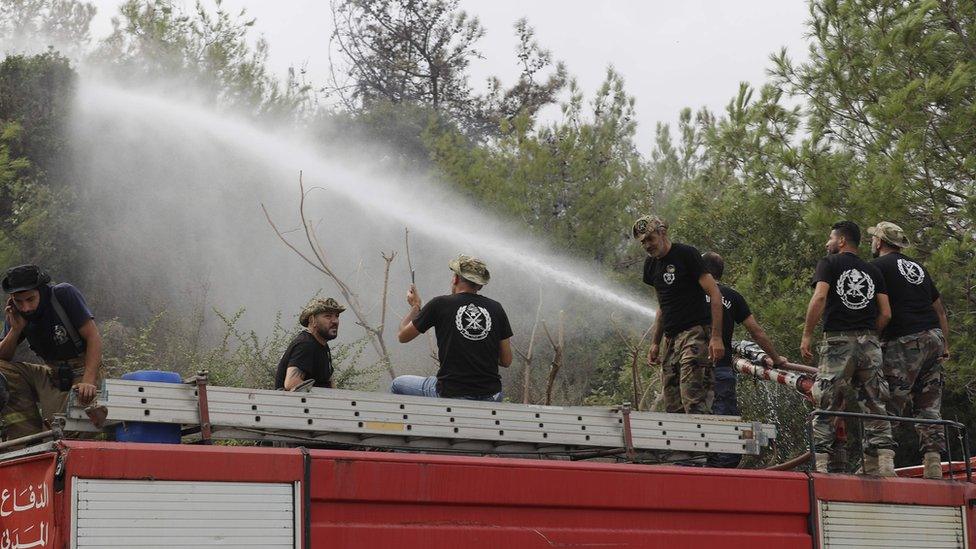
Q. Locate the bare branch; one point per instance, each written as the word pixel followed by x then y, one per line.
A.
pixel 386 284
pixel 557 358
pixel 318 261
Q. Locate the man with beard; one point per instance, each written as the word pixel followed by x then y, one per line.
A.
pixel 472 332
pixel 914 342
pixel 59 328
pixel 692 328
pixel 308 356
pixel 851 296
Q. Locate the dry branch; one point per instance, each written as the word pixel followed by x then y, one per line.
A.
pixel 527 355
pixel 634 350
pixel 557 355
pixel 319 262
pixel 431 345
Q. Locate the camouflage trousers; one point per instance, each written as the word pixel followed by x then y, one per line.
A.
pixel 851 358
pixel 913 369
pixel 34 396
pixel 686 372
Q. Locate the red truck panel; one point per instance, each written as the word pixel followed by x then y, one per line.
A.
pixel 28 503
pixel 381 499
pixel 386 500
pixel 119 460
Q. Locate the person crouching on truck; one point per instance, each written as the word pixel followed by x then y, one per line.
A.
pixel 61 330
pixel 736 311
pixel 472 332
pixel 308 356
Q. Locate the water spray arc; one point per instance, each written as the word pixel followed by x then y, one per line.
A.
pixel 456 226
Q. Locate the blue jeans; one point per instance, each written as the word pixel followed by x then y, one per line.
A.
pixel 724 405
pixel 427 387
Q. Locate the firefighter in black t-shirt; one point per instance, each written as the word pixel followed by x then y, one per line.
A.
pixel 691 328
pixel 852 297
pixel 914 342
pixel 308 356
pixel 472 332
pixel 735 311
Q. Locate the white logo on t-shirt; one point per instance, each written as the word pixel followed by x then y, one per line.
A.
pixel 473 322
pixel 60 335
pixel 725 302
pixel 855 288
pixel 911 271
pixel 669 274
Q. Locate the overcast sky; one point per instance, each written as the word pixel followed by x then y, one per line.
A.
pixel 672 54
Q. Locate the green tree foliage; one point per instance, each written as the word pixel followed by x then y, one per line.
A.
pixel 60 24
pixel 204 50
pixel 35 194
pixel 578 181
pixel 404 52
pixel 876 124
pixel 12 191
pixel 891 89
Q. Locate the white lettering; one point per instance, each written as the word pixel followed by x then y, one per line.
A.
pixel 32 500
pixel 4 496
pixel 11 538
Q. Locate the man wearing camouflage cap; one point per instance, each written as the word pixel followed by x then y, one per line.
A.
pixel 472 332
pixel 692 328
pixel 308 356
pixel 914 342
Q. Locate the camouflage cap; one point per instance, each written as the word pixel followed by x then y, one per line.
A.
pixel 890 233
pixel 646 224
pixel 317 306
pixel 471 269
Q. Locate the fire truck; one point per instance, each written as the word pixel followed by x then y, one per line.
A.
pixel 344 469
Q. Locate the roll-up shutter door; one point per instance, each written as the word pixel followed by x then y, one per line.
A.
pixel 870 525
pixel 150 513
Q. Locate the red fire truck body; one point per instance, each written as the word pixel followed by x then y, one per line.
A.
pixel 103 494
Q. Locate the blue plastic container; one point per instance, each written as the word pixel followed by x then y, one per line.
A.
pixel 137 431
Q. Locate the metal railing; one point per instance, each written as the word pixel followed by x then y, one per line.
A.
pixel 963 434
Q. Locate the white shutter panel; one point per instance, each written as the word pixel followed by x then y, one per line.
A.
pixel 869 525
pixel 178 514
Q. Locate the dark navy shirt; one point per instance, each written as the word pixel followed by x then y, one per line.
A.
pixel 46 334
pixel 735 310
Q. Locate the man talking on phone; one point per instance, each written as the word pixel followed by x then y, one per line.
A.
pixel 59 328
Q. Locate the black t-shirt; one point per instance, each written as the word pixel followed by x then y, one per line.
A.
pixel 308 355
pixel 911 292
pixel 469 328
pixel 675 279
pixel 735 310
pixel 46 334
pixel 852 302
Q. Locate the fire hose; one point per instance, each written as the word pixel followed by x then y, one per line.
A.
pixel 750 360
